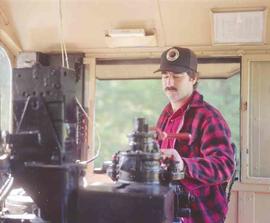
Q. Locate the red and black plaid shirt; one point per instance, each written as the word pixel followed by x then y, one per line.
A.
pixel 208 157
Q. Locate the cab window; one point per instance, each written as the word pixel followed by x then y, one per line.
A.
pixel 118 102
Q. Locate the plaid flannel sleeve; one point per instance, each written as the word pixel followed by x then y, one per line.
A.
pixel 216 164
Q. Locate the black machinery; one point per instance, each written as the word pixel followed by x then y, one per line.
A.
pixel 45 144
pixel 43 155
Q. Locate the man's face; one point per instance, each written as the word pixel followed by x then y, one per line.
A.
pixel 177 87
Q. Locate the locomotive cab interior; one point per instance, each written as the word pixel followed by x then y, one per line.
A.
pixel 76 78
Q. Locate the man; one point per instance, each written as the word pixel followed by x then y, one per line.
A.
pixel 208 158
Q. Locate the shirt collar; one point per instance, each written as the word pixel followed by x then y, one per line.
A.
pixel 195 100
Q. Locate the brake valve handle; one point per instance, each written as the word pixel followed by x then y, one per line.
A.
pixel 161 135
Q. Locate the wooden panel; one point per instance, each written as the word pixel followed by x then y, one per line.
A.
pixel 246 207
pixel 233 208
pixel 253 207
pixel 126 71
pixel 90 96
pixel 262 204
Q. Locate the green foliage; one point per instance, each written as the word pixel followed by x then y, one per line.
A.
pixel 118 102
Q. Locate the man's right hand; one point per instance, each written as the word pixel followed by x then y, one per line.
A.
pixel 173 154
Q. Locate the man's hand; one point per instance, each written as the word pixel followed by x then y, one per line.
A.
pixel 173 154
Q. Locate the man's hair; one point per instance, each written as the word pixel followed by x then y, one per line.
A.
pixel 193 75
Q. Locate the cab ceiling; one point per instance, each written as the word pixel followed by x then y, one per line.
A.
pixel 34 24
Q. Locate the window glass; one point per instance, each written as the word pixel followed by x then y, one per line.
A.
pixel 5 91
pixel 118 102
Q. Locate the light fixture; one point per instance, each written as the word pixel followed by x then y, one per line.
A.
pixel 126 32
pixel 129 38
pixel 238 26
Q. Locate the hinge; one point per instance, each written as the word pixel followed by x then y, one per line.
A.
pixel 244 106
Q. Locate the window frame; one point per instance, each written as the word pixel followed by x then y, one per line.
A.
pixel 11 56
pixel 245 114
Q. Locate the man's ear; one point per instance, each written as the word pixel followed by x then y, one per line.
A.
pixel 194 80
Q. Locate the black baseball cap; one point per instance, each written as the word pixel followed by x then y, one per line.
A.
pixel 178 60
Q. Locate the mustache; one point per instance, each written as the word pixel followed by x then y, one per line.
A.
pixel 171 88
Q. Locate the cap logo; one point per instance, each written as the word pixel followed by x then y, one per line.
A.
pixel 172 54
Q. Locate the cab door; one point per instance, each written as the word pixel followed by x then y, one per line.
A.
pixel 251 195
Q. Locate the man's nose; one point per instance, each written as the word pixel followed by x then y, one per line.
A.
pixel 170 81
